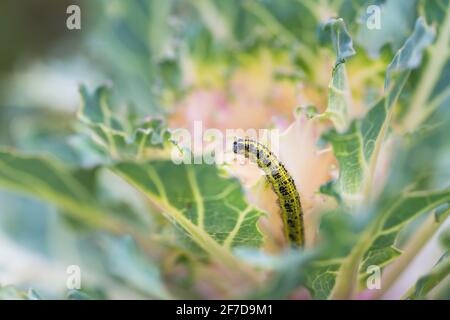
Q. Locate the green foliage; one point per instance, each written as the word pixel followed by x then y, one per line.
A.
pixel 196 198
pixel 108 196
pixel 50 180
pixel 111 135
pixel 357 149
pixel 338 89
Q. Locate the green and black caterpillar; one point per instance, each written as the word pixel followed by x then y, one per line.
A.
pixel 282 184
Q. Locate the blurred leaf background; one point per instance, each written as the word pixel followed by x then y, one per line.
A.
pixel 86 115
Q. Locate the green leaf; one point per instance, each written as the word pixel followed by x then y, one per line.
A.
pixel 427 283
pixel 380 257
pixel 321 280
pixel 412 204
pixel 410 55
pixel 357 149
pixel 396 22
pixel 95 107
pixel 381 251
pixel 329 189
pixel 336 31
pixel 49 180
pixel 109 134
pixel 432 90
pixel 347 148
pixel 210 209
pixel 338 89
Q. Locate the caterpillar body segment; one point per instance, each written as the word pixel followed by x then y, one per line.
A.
pixel 282 184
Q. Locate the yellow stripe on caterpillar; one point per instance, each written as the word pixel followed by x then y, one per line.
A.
pixel 282 184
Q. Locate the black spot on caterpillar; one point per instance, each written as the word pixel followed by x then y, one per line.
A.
pixel 282 184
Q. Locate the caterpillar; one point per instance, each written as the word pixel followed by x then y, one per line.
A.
pixel 282 184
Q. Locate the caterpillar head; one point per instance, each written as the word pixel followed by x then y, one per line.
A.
pixel 239 146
